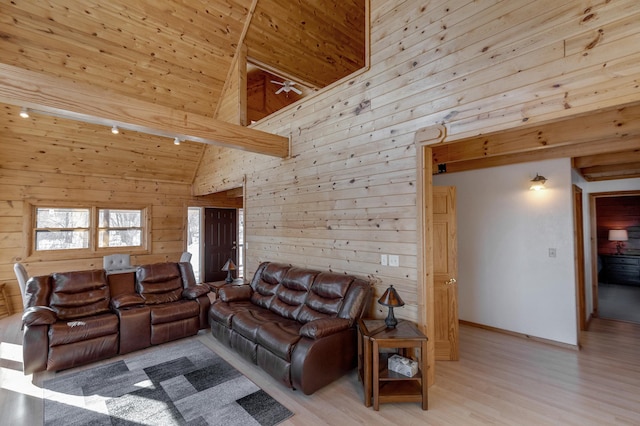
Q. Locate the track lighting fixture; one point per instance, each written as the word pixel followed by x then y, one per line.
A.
pixel 115 130
pixel 176 141
pixel 24 113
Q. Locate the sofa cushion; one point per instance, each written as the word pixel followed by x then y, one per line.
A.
pixel 265 283
pixel 174 311
pixel 247 323
pixel 38 291
pixel 279 337
pixel 223 312
pixel 79 293
pixel 65 332
pixel 159 283
pixel 325 297
pixel 292 292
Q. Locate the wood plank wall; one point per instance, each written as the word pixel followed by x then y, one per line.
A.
pixel 347 193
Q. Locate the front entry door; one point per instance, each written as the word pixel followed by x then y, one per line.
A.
pixel 220 228
pixel 445 268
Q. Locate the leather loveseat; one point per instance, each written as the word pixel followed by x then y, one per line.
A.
pixel 296 324
pixel 74 318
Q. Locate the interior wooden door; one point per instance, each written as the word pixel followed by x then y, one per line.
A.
pixel 445 266
pixel 220 242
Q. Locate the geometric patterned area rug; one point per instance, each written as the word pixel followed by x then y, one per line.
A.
pixel 177 383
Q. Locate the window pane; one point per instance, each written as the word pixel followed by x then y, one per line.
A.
pixel 62 218
pixel 116 218
pixel 62 240
pixel 120 238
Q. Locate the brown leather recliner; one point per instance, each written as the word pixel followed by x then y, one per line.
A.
pixel 68 321
pixel 175 310
pixel 296 324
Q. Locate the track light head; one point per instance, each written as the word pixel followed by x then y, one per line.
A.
pixel 115 130
pixel 24 113
pixel 176 141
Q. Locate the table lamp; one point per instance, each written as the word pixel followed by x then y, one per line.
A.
pixel 618 235
pixel 392 299
pixel 228 267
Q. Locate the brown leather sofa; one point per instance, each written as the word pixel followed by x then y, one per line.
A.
pixel 296 324
pixel 74 318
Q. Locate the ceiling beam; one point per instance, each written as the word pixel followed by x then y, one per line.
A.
pixel 627 156
pixel 621 123
pixel 68 99
pixel 594 148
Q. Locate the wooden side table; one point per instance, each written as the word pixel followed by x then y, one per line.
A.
pixel 385 385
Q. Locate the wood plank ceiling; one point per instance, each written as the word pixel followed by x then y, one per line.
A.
pixel 171 53
pixel 179 55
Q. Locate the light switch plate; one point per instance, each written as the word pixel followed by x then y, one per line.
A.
pixel 394 260
pixel 383 260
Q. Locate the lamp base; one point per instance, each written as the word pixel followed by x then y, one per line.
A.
pixel 391 320
pixel 229 279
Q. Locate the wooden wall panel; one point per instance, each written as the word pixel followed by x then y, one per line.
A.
pixel 348 193
pixel 168 204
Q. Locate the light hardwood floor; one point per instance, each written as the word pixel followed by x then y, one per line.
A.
pixel 500 379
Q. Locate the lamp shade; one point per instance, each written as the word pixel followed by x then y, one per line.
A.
pixel 229 266
pixel 618 235
pixel 391 298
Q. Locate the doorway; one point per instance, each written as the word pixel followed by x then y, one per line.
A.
pixel 615 218
pixel 220 242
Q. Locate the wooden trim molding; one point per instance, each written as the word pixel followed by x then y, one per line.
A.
pixel 424 193
pixel 521 335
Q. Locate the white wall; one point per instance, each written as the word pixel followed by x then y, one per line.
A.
pixel 506 277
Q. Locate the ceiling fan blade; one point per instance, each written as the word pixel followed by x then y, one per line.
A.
pixel 277 82
pixel 279 90
pixel 298 91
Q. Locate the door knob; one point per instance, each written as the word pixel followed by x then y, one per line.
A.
pixel 451 281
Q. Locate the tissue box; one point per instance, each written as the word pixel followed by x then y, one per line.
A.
pixel 401 365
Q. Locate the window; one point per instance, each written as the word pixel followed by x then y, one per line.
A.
pixel 62 228
pixel 119 228
pixel 88 228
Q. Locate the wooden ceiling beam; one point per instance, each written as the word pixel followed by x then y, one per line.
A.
pixel 618 123
pixel 68 99
pixel 598 147
pixel 612 171
pixel 627 156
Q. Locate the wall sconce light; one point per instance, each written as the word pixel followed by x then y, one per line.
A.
pixel 392 299
pixel 115 130
pixel 537 183
pixel 176 141
pixel 618 235
pixel 24 113
pixel 228 267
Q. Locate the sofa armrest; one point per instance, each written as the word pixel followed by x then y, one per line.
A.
pixel 126 300
pixel 195 291
pixel 234 293
pixel 323 327
pixel 39 315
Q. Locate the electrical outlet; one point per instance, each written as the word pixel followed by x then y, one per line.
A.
pixel 552 252
pixel 394 260
pixel 383 260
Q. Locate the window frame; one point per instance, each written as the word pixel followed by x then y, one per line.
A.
pixel 30 229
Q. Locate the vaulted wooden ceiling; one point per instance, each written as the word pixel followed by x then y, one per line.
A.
pixel 171 53
pixel 180 55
